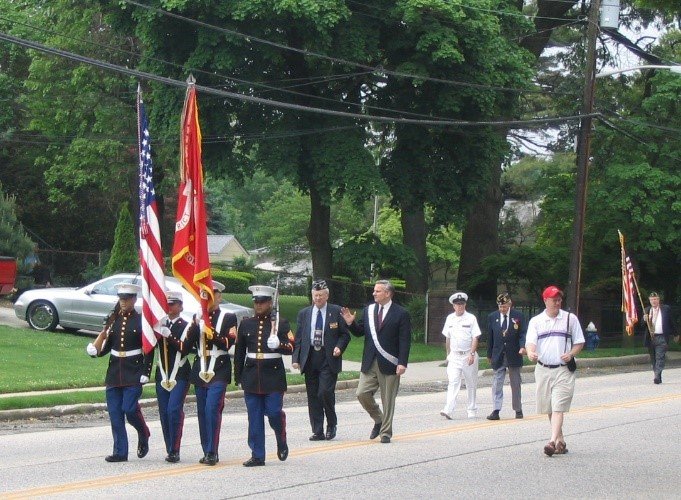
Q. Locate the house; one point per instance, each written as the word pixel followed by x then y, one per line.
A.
pixel 224 248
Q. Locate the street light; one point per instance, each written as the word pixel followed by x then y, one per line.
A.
pixel 673 69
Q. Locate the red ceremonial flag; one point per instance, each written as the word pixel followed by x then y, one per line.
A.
pixel 628 286
pixel 190 248
pixel 154 304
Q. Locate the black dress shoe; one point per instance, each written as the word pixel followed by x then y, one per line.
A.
pixel 173 457
pixel 282 451
pixel 331 432
pixel 385 439
pixel 204 458
pixel 375 431
pixel 657 381
pixel 317 437
pixel 254 462
pixel 116 458
pixel 211 459
pixel 494 415
pixel 142 448
pixel 519 414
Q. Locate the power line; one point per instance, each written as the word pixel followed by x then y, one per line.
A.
pixel 278 104
pixel 308 53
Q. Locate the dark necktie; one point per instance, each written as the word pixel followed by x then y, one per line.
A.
pixel 380 317
pixel 504 325
pixel 318 329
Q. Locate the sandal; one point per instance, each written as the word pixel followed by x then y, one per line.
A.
pixel 561 449
pixel 550 448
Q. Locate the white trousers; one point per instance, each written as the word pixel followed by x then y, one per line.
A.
pixel 456 368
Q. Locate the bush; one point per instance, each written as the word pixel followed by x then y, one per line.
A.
pixel 417 310
pixel 234 281
pixel 124 255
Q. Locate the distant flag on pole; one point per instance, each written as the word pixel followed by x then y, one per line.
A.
pixel 154 303
pixel 628 289
pixel 190 248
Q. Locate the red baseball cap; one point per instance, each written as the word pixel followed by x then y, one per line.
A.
pixel 551 292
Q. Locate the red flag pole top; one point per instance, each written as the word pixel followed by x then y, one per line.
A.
pixel 190 248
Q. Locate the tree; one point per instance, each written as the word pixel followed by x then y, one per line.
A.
pixel 124 255
pixel 13 239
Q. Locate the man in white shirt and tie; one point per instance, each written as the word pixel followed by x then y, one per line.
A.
pixel 658 318
pixel 321 338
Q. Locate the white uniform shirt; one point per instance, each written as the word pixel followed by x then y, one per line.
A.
pixel 461 330
pixel 549 335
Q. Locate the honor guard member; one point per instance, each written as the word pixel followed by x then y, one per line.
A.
pixel 172 375
pixel 321 337
pixel 129 368
pixel 212 371
pixel 259 368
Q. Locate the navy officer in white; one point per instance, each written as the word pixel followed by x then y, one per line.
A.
pixel 321 337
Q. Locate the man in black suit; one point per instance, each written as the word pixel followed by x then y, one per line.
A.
pixel 386 327
pixel 321 338
pixel 506 331
pixel 658 318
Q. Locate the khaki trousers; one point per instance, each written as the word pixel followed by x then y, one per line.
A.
pixel 369 383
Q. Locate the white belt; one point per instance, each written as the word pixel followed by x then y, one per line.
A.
pixel 461 353
pixel 125 354
pixel 263 355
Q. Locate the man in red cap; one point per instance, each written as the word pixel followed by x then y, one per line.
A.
pixel 554 338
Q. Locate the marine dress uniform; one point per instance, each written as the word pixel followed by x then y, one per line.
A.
pixel 259 368
pixel 128 369
pixel 172 377
pixel 211 373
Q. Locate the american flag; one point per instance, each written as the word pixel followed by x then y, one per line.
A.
pixel 628 287
pixel 154 303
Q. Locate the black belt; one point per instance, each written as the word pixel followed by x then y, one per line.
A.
pixel 549 366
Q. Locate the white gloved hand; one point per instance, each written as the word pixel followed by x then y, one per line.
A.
pixel 198 316
pixel 164 320
pixel 273 342
pixel 144 379
pixel 91 349
pixel 165 332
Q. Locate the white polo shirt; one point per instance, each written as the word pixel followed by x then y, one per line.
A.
pixel 461 330
pixel 550 334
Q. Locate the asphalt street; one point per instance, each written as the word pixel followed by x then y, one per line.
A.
pixel 622 436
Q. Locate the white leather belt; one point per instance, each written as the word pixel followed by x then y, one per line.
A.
pixel 125 354
pixel 263 355
pixel 461 353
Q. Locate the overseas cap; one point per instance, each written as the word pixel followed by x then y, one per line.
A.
pixel 551 292
pixel 503 298
pixel 319 285
pixel 458 298
pixel 126 290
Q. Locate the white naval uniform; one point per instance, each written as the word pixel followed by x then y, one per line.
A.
pixel 461 330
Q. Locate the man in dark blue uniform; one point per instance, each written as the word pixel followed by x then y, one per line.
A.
pixel 212 371
pixel 172 375
pixel 259 368
pixel 128 370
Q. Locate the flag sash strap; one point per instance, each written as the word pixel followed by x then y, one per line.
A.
pixel 179 360
pixel 374 336
pixel 214 352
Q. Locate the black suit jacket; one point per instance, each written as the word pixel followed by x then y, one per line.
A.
pixel 498 344
pixel 667 324
pixel 336 334
pixel 394 336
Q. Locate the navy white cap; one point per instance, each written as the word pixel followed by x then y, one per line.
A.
pixel 458 298
pixel 174 296
pixel 262 291
pixel 127 289
pixel 218 287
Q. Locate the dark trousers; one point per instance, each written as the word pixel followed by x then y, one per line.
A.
pixel 259 405
pixel 210 401
pixel 658 351
pixel 171 413
pixel 123 403
pixel 320 382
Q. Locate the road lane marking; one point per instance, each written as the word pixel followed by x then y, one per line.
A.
pixel 171 471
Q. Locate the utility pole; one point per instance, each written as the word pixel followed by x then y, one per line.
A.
pixel 583 154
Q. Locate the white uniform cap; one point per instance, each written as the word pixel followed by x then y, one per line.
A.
pixel 127 289
pixel 458 297
pixel 217 286
pixel 174 296
pixel 262 291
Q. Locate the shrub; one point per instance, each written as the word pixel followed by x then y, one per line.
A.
pixel 234 281
pixel 417 310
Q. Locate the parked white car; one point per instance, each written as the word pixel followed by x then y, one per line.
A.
pixel 86 308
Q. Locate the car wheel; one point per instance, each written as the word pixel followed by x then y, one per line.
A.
pixel 42 316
